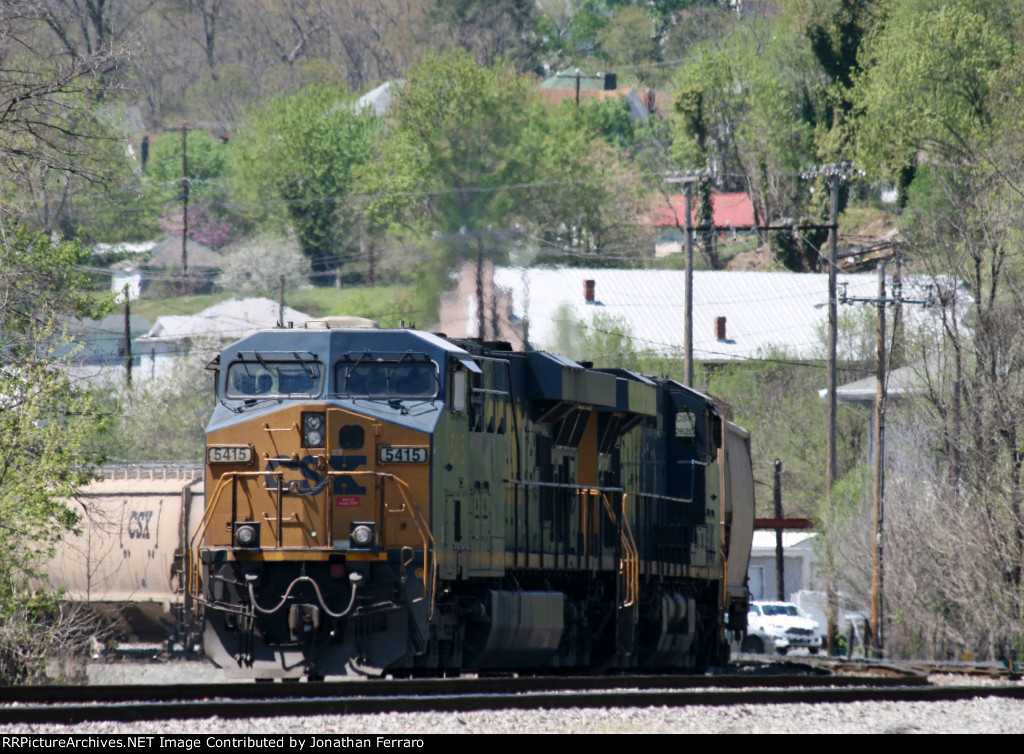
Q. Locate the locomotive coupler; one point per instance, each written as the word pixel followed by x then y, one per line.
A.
pixel 303 622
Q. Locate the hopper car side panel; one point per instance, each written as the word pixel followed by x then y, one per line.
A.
pixel 128 560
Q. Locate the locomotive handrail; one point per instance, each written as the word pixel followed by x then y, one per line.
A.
pixel 668 498
pixel 631 553
pixel 634 576
pixel 725 578
pixel 268 428
pixel 488 391
pixel 193 572
pixel 564 485
pixel 422 526
pixel 430 566
pixel 230 477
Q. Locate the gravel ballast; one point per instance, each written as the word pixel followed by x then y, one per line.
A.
pixel 987 715
pixel 982 715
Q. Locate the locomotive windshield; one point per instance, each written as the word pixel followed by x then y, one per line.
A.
pixel 377 378
pixel 263 378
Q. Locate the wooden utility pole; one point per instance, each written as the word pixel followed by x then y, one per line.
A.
pixel 688 323
pixel 280 304
pixel 184 207
pixel 878 491
pixel 481 312
pixel 127 338
pixel 876 630
pixel 687 179
pixel 835 173
pixel 831 458
pixel 780 559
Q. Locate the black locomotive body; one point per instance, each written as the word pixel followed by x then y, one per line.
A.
pixel 394 501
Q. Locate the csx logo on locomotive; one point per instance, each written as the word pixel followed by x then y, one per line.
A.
pixel 314 481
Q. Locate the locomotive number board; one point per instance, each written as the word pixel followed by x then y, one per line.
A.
pixel 403 454
pixel 229 454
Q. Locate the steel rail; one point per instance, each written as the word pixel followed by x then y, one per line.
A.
pixel 90 703
pixel 351 704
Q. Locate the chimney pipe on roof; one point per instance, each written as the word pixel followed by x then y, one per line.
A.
pixel 588 291
pixel 720 328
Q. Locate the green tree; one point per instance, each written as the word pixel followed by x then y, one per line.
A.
pixel 444 164
pixel 470 164
pixel 46 420
pixel 927 87
pixel 628 40
pixel 939 112
pixel 52 140
pixel 749 104
pixel 292 166
pixel 205 163
pixel 580 193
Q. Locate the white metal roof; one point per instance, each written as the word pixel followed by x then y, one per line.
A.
pixel 763 310
pixel 765 540
pixel 228 320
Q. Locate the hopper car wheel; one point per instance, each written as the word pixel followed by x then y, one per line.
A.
pixel 782 650
pixel 753 645
pixel 813 650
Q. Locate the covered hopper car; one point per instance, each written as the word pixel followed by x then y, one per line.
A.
pixel 128 559
pixel 393 501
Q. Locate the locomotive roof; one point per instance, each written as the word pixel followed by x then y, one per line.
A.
pixel 329 345
pixel 340 340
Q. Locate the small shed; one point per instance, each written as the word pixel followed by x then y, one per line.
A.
pixel 799 565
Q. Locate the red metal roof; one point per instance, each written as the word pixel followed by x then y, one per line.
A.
pixel 732 210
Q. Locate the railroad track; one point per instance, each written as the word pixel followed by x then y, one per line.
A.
pixel 232 701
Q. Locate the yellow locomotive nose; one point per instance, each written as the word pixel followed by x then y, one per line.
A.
pixel 378 475
pixel 316 477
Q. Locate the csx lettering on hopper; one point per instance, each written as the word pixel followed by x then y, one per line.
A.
pixel 395 501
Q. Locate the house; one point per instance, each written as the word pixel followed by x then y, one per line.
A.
pixel 572 84
pixel 736 315
pixel 379 100
pixel 176 336
pixel 162 272
pixel 95 349
pixel 731 213
pixel 203 264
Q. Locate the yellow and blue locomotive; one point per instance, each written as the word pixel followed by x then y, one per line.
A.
pixel 396 501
